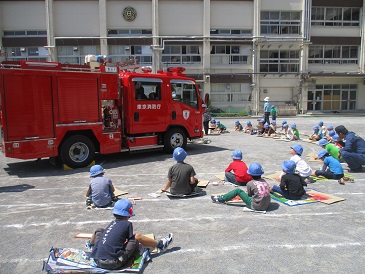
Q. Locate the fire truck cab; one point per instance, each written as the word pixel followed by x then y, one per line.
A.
pixel 66 112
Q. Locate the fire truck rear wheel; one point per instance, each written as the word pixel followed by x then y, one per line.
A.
pixel 77 151
pixel 174 138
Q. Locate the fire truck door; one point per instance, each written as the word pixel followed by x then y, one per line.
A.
pixel 148 106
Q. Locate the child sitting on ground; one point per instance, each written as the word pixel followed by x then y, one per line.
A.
pixel 316 135
pixel 239 176
pixel 331 148
pixel 293 133
pixel 248 128
pixel 212 126
pixel 329 135
pixel 291 185
pixel 238 126
pixel 260 126
pixel 272 130
pixel 221 128
pixel 302 167
pixel 336 142
pixel 285 130
pixel 181 176
pixel 266 130
pixel 331 169
pixel 283 123
pixel 115 246
pixel 101 190
pixel 258 191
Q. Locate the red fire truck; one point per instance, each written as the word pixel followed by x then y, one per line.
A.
pixel 48 109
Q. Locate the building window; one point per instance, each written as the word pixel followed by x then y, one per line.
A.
pixel 332 97
pixel 37 33
pixel 129 32
pixel 75 54
pixel 143 54
pixel 279 61
pixel 332 17
pixel 232 32
pixel 280 22
pixel 26 53
pixel 181 55
pixel 333 55
pixel 229 54
pixel 229 92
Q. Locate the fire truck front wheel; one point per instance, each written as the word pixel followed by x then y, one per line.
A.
pixel 174 138
pixel 77 151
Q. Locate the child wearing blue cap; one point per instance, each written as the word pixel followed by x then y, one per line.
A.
pixel 116 245
pixel 212 126
pixel 181 176
pixel 248 128
pixel 293 133
pixel 236 172
pixel 331 168
pixel 331 148
pixel 273 112
pixel 237 126
pixel 317 134
pixel 302 166
pixel 221 128
pixel 258 191
pixel 291 185
pixel 100 192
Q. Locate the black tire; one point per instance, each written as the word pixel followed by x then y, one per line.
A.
pixel 175 137
pixel 77 151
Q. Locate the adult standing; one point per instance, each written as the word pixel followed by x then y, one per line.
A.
pixel 206 119
pixel 353 152
pixel 267 110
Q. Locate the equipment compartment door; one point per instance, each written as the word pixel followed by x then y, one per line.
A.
pixel 28 107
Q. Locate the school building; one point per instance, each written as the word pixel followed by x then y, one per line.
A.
pixel 306 55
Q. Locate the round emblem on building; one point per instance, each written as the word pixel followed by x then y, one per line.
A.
pixel 129 14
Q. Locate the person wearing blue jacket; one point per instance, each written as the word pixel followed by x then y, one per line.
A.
pixel 353 152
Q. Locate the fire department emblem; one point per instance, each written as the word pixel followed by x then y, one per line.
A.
pixel 129 14
pixel 186 114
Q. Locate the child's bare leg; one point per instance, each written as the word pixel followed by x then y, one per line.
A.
pixel 146 241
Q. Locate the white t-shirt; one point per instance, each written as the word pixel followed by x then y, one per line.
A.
pixel 302 167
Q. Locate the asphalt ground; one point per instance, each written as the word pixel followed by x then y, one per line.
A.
pixel 43 206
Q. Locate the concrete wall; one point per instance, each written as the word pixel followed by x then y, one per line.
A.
pixel 23 15
pixel 181 18
pixel 231 15
pixel 76 18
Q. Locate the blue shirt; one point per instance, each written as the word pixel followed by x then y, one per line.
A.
pixel 354 143
pixel 267 107
pixel 101 194
pixel 333 164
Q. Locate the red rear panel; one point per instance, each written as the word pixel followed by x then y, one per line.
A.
pixel 78 98
pixel 27 107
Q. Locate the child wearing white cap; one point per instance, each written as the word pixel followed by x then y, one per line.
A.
pixel 114 246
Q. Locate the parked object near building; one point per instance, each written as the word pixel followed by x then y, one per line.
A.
pixel 70 113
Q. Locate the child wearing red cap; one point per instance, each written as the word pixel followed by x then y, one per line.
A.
pixel 115 246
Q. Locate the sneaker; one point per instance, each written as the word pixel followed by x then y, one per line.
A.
pixel 341 181
pixel 89 246
pixel 347 180
pixel 165 242
pixel 217 199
